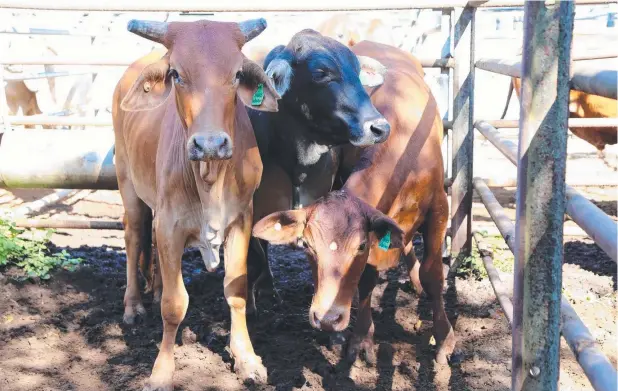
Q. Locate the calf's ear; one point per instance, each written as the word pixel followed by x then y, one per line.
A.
pixel 372 71
pixel 256 89
pixel 281 227
pixel 387 231
pixel 150 89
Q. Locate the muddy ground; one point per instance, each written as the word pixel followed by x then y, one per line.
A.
pixel 67 333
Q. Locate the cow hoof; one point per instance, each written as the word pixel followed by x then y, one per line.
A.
pixel 133 313
pixel 363 347
pixel 251 370
pixel 154 385
pixel 446 349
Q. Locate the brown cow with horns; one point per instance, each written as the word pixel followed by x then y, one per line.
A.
pixel 185 148
pixel 392 190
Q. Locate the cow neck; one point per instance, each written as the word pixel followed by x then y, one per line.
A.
pixel 296 153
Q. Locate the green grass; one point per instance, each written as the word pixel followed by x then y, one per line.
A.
pixel 29 251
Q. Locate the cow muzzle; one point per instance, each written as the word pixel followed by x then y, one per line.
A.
pixel 375 131
pixel 336 318
pixel 204 146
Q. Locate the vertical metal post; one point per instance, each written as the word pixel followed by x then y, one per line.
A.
pixel 463 131
pixel 541 201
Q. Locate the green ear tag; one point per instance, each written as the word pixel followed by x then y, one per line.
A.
pixel 385 242
pixel 258 97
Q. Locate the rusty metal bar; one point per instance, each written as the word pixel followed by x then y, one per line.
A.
pixel 572 123
pixel 57 120
pixel 496 212
pixel 69 224
pixel 588 216
pixel 500 289
pixel 598 369
pixel 250 6
pixel 590 80
pixel 541 201
pixel 463 132
pixel 58 159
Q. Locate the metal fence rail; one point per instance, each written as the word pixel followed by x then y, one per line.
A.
pixel 588 216
pixel 597 367
pixel 600 82
pixel 251 6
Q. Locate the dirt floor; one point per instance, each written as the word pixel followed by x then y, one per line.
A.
pixel 67 333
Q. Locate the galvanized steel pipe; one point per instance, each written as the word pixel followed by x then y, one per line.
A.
pixel 587 215
pixel 593 81
pixel 573 123
pixel 59 159
pixel 252 6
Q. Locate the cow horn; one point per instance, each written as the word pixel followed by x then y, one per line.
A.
pixel 154 31
pixel 252 28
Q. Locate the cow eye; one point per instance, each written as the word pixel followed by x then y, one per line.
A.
pixel 238 77
pixel 320 75
pixel 176 77
pixel 362 247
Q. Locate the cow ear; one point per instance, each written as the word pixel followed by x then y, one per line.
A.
pixel 281 227
pixel 279 69
pixel 255 88
pixel 151 88
pixel 372 71
pixel 386 230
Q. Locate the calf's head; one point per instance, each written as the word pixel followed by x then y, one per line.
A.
pixel 321 84
pixel 338 232
pixel 205 71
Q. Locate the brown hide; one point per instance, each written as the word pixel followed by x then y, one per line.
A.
pixel 584 105
pixel 18 96
pixel 349 32
pixel 185 148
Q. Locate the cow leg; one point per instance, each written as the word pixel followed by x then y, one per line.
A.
pixel 137 237
pixel 174 302
pixel 157 286
pixel 246 363
pixel 362 337
pixel 432 277
pixel 414 266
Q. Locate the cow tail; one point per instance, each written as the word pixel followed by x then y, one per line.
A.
pixel 508 100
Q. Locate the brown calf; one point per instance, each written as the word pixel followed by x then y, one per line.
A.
pixel 393 190
pixel 185 148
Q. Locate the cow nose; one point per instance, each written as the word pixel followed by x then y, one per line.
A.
pixel 209 146
pixel 379 128
pixel 330 321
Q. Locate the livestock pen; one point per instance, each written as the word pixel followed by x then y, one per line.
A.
pixel 537 313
